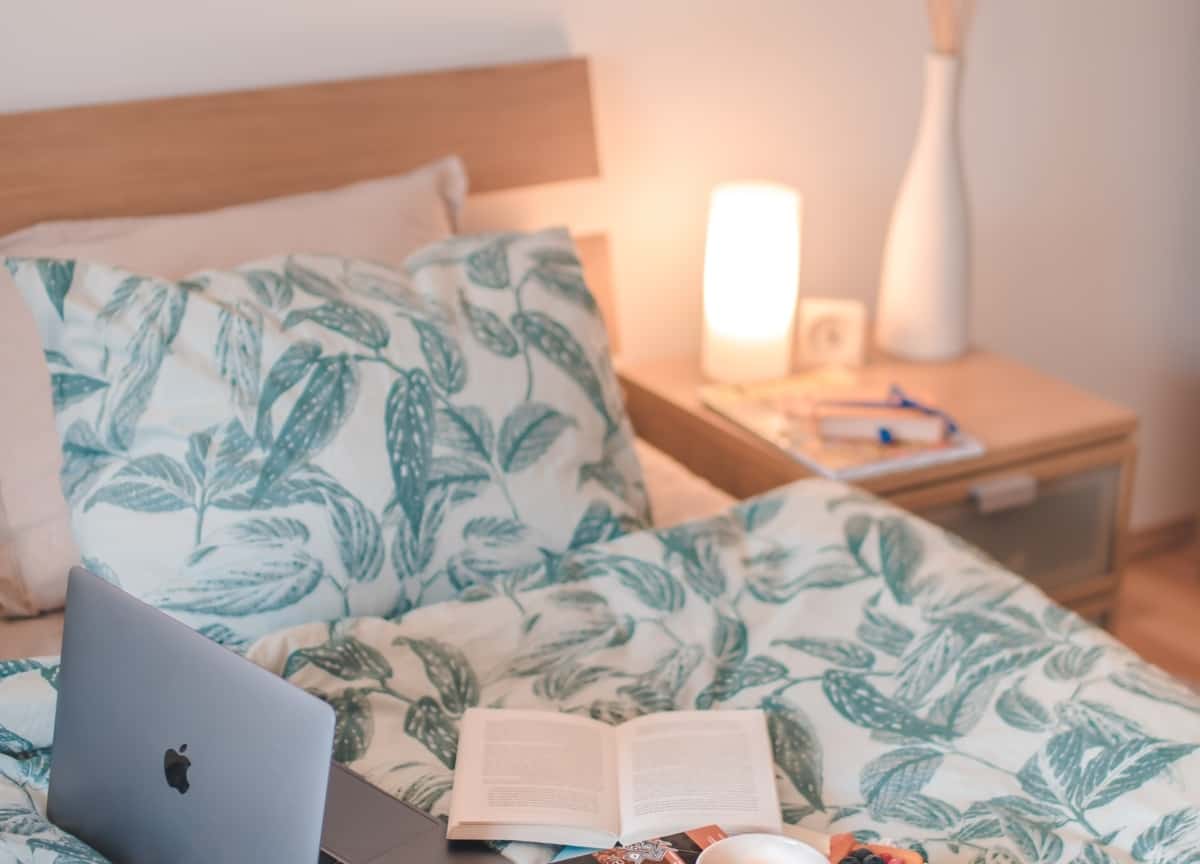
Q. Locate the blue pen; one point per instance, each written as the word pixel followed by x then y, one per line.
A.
pixel 896 398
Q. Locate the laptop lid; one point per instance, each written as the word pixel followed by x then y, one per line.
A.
pixel 168 747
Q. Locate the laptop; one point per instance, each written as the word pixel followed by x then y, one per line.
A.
pixel 169 747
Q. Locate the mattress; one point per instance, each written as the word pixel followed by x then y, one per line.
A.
pixel 676 495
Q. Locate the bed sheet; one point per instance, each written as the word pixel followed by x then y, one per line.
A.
pixel 913 688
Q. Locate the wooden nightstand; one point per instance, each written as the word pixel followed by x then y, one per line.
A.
pixel 1080 450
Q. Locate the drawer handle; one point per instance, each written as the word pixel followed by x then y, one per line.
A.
pixel 1004 493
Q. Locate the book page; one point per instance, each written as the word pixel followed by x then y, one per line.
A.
pixel 526 769
pixel 680 769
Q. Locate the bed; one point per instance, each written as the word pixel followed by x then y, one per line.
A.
pixel 913 688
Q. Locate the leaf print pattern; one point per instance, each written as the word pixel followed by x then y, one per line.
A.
pixel 557 344
pixel 991 756
pixel 527 433
pixel 322 408
pixel 487 328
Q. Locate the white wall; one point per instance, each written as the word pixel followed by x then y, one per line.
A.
pixel 1081 127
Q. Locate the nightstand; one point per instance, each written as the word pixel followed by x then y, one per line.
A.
pixel 1076 450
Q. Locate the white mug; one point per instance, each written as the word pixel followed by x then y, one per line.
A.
pixel 760 849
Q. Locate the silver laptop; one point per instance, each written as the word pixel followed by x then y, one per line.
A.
pixel 170 748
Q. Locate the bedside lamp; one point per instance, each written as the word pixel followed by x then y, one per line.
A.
pixel 751 278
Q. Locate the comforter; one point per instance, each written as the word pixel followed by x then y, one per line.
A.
pixel 913 688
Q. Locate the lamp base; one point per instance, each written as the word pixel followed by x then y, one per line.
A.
pixel 727 360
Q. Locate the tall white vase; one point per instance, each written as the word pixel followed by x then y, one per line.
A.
pixel 923 292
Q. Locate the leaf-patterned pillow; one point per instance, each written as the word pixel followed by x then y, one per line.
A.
pixel 312 437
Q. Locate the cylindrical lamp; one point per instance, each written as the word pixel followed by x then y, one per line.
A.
pixel 751 277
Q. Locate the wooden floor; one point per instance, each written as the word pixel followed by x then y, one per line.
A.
pixel 1159 611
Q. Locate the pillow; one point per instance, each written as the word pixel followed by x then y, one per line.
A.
pixel 314 437
pixel 383 220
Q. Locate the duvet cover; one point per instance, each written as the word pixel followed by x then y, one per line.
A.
pixel 914 690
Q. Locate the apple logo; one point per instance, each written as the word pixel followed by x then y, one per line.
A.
pixel 175 766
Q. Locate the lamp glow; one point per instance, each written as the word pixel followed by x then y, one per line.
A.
pixel 751 278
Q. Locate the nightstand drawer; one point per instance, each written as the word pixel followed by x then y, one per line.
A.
pixel 1057 530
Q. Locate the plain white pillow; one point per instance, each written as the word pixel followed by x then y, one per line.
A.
pixel 382 220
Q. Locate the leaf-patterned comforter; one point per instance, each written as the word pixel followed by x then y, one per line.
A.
pixel 914 689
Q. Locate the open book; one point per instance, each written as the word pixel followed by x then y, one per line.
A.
pixel 543 777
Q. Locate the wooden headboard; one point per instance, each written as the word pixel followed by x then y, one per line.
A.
pixel 514 125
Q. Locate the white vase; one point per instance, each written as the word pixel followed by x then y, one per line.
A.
pixel 923 297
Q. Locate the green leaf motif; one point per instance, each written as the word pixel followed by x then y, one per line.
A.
pixel 796 748
pixel 360 542
pixel 354 726
pixel 269 289
pixel 410 425
pixel 556 344
pixel 323 406
pixel 156 311
pixel 595 526
pixel 426 791
pixel 68 849
pixel 883 633
pixel 8 668
pixel 238 356
pixel 1119 769
pixel 360 325
pixel 345 657
pixel 443 355
pixel 448 670
pixel 901 552
pixel 458 473
pixel 12 744
pixel 71 387
pixel 704 570
pixel 1165 838
pixel 489 330
pixel 1092 854
pixel 963 706
pixel 772 582
pixel 57 277
pixel 1073 662
pixel 658 688
pixel 21 822
pixel 560 272
pixel 731 680
pixel 1100 724
pixel 495 531
pixel 567 681
pixel 309 281
pixel 654 585
pixel 923 811
pixel 291 367
pixel 730 641
pixel 1021 711
pixel 896 775
pixel 1144 680
pixel 527 433
pixel 925 664
pixel 857 699
pixel 258 566
pixel 466 429
pixel 607 474
pixel 149 484
pixel 488 266
pixel 755 514
pixel 428 723
pixel 855 530
pixel 840 651
pixel 1053 774
pixel 224 635
pixel 84 460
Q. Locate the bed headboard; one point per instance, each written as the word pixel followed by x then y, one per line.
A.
pixel 513 125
